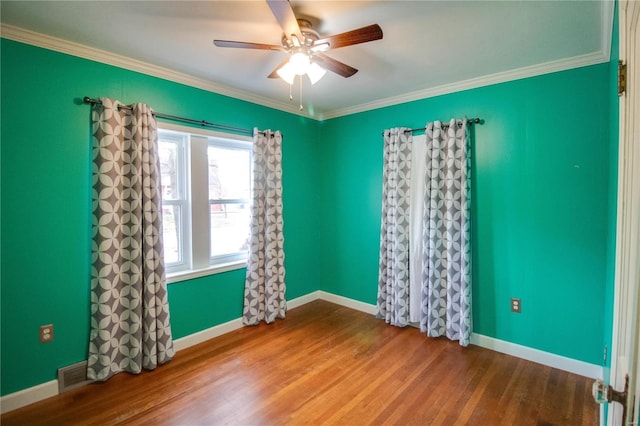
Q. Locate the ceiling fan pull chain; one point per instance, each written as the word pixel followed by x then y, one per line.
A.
pixel 301 107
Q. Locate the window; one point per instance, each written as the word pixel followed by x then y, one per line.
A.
pixel 206 204
pixel 174 197
pixel 229 199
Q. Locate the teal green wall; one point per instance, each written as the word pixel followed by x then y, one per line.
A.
pixel 46 204
pixel 542 222
pixel 540 188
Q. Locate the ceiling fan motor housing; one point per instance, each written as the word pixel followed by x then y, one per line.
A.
pixel 291 42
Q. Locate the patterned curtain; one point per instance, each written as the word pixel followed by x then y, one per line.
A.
pixel 130 327
pixel 393 274
pixel 446 253
pixel 264 292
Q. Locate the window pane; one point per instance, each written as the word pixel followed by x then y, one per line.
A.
pixel 229 173
pixel 229 228
pixel 169 169
pixel 171 234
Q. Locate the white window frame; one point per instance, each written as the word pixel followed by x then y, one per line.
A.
pixel 197 261
pixel 183 201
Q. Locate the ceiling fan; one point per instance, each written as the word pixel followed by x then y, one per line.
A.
pixel 305 47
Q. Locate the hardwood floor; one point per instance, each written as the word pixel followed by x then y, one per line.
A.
pixel 326 364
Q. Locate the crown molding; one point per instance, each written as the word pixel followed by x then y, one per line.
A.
pixel 76 49
pixel 474 83
pixel 82 51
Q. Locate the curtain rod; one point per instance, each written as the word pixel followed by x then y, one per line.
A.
pixel 88 100
pixel 470 121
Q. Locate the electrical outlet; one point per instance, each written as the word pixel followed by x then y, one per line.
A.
pixel 46 333
pixel 516 305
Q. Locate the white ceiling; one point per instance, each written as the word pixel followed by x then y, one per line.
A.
pixel 429 47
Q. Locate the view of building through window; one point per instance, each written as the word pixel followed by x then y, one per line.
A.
pixel 229 198
pixel 221 171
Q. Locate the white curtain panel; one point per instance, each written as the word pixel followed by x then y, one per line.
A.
pixel 264 293
pixel 418 166
pixel 446 251
pixel 393 274
pixel 130 327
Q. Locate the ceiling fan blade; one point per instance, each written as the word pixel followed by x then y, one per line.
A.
pixel 245 45
pixel 286 18
pixel 334 66
pixel 361 35
pixel 274 73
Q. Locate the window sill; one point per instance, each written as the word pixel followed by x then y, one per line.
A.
pixel 175 277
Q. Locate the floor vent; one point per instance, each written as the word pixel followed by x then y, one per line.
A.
pixel 73 376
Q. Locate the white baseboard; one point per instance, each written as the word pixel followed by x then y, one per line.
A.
pixel 302 300
pixel 204 335
pixel 545 358
pixel 45 390
pixel 349 303
pixel 28 396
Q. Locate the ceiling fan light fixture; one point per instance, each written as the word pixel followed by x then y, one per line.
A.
pixel 287 73
pixel 315 72
pixel 300 63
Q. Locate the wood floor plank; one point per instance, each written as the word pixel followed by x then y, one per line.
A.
pixel 326 364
